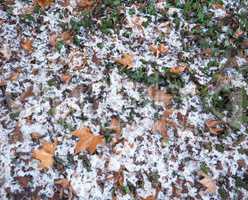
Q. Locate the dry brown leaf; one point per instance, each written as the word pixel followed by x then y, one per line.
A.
pixel 66 36
pixel 214 126
pixel 64 183
pixel 85 4
pixel 16 135
pixel 217 6
pixel 159 95
pixel 126 60
pixel 159 50
pixel 116 125
pixel 119 178
pixel 45 155
pixel 44 3
pixel 87 140
pixel 208 182
pixel 177 69
pixel 27 44
pixel 2 82
pixel 26 94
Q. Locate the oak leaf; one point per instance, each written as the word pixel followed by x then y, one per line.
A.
pixel 126 60
pixel 45 155
pixel 208 182
pixel 87 140
pixel 214 126
pixel 177 69
pixel 27 44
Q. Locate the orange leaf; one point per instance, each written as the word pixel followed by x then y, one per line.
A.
pixel 44 3
pixel 66 36
pixel 159 95
pixel 178 69
pixel 214 126
pixel 45 154
pixel 27 44
pixel 126 60
pixel 87 141
pixel 151 197
pixel 208 182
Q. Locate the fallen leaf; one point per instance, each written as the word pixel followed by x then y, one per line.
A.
pixel 44 3
pixel 119 178
pixel 126 60
pixel 27 44
pixel 65 78
pixel 116 125
pixel 151 197
pixel 208 182
pixel 214 126
pixel 217 6
pixel 16 135
pixel 64 183
pixel 26 94
pixel 177 69
pixel 85 4
pixel 23 180
pixel 45 154
pixel 14 76
pixel 159 96
pixel 87 140
pixel 2 83
pixel 159 50
pixel 66 36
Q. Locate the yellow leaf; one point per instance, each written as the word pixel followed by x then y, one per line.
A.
pixel 126 60
pixel 178 69
pixel 45 155
pixel 87 141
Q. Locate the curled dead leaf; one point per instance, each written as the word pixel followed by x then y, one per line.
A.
pixel 126 60
pixel 64 183
pixel 27 45
pixel 26 94
pixel 87 140
pixel 177 69
pixel 66 36
pixel 208 182
pixel 45 154
pixel 159 95
pixel 151 197
pixel 215 126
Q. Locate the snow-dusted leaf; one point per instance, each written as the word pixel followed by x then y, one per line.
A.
pixel 159 49
pixel 87 140
pixel 27 44
pixel 159 95
pixel 45 154
pixel 208 182
pixel 116 125
pixel 177 69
